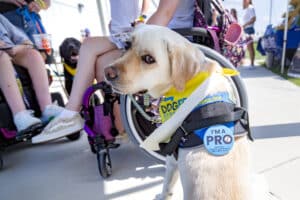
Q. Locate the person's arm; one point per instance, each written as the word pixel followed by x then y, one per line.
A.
pixel 18 3
pixel 48 3
pixel 2 45
pixel 164 13
pixel 145 7
pixel 38 5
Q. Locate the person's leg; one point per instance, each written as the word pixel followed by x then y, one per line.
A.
pixel 250 47
pixel 89 51
pixel 69 121
pixel 102 62
pixel 8 84
pixel 23 119
pixel 34 63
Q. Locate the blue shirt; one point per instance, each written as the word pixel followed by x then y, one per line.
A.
pixel 9 34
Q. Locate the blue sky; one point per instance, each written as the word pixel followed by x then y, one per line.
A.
pixel 262 8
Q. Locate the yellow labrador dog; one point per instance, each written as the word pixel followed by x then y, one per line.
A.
pixel 157 60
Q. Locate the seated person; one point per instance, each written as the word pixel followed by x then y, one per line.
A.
pixel 9 8
pixel 98 52
pixel 122 14
pixel 16 48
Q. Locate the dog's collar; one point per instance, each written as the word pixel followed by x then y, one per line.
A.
pixel 69 69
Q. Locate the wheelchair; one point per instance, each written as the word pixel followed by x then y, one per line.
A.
pixel 7 127
pixel 138 118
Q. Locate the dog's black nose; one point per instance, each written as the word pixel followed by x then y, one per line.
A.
pixel 111 73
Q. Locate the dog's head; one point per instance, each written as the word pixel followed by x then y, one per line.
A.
pixel 156 59
pixel 69 51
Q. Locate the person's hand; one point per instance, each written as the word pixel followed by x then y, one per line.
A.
pixel 18 49
pixel 18 3
pixel 27 42
pixel 140 20
pixel 2 44
pixel 34 7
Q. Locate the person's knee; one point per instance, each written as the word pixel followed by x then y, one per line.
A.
pixel 86 43
pixel 4 57
pixel 96 45
pixel 2 54
pixel 90 42
pixel 28 56
pixel 33 54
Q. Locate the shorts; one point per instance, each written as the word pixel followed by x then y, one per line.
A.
pixel 29 28
pixel 249 30
pixel 120 39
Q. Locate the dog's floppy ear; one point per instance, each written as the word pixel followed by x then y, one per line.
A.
pixel 185 60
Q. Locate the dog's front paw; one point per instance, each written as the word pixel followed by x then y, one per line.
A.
pixel 163 196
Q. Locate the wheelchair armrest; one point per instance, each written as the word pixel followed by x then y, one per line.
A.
pixel 199 35
pixel 194 31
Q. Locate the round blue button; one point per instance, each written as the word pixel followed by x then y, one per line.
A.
pixel 218 139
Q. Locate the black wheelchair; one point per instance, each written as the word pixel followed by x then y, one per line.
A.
pixel 7 127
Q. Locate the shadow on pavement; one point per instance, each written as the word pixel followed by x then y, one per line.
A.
pixel 123 193
pixel 257 72
pixel 276 131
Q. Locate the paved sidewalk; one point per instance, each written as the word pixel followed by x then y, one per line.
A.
pixel 274 106
pixel 64 170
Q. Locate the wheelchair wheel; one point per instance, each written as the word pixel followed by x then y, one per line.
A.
pixel 139 128
pixel 57 98
pixel 104 163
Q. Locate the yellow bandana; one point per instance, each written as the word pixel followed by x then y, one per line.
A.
pixel 69 69
pixel 174 98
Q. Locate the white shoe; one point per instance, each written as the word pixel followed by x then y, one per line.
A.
pixel 25 119
pixel 60 126
pixel 122 138
pixel 51 111
pixel 26 124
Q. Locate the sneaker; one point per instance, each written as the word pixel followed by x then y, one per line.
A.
pixel 50 112
pixel 27 125
pixel 59 127
pixel 122 138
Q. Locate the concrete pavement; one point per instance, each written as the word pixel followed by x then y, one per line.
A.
pixel 63 170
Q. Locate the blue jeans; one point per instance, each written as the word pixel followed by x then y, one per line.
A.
pixel 17 20
pixel 249 30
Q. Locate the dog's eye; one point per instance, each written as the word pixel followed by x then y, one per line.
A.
pixel 148 59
